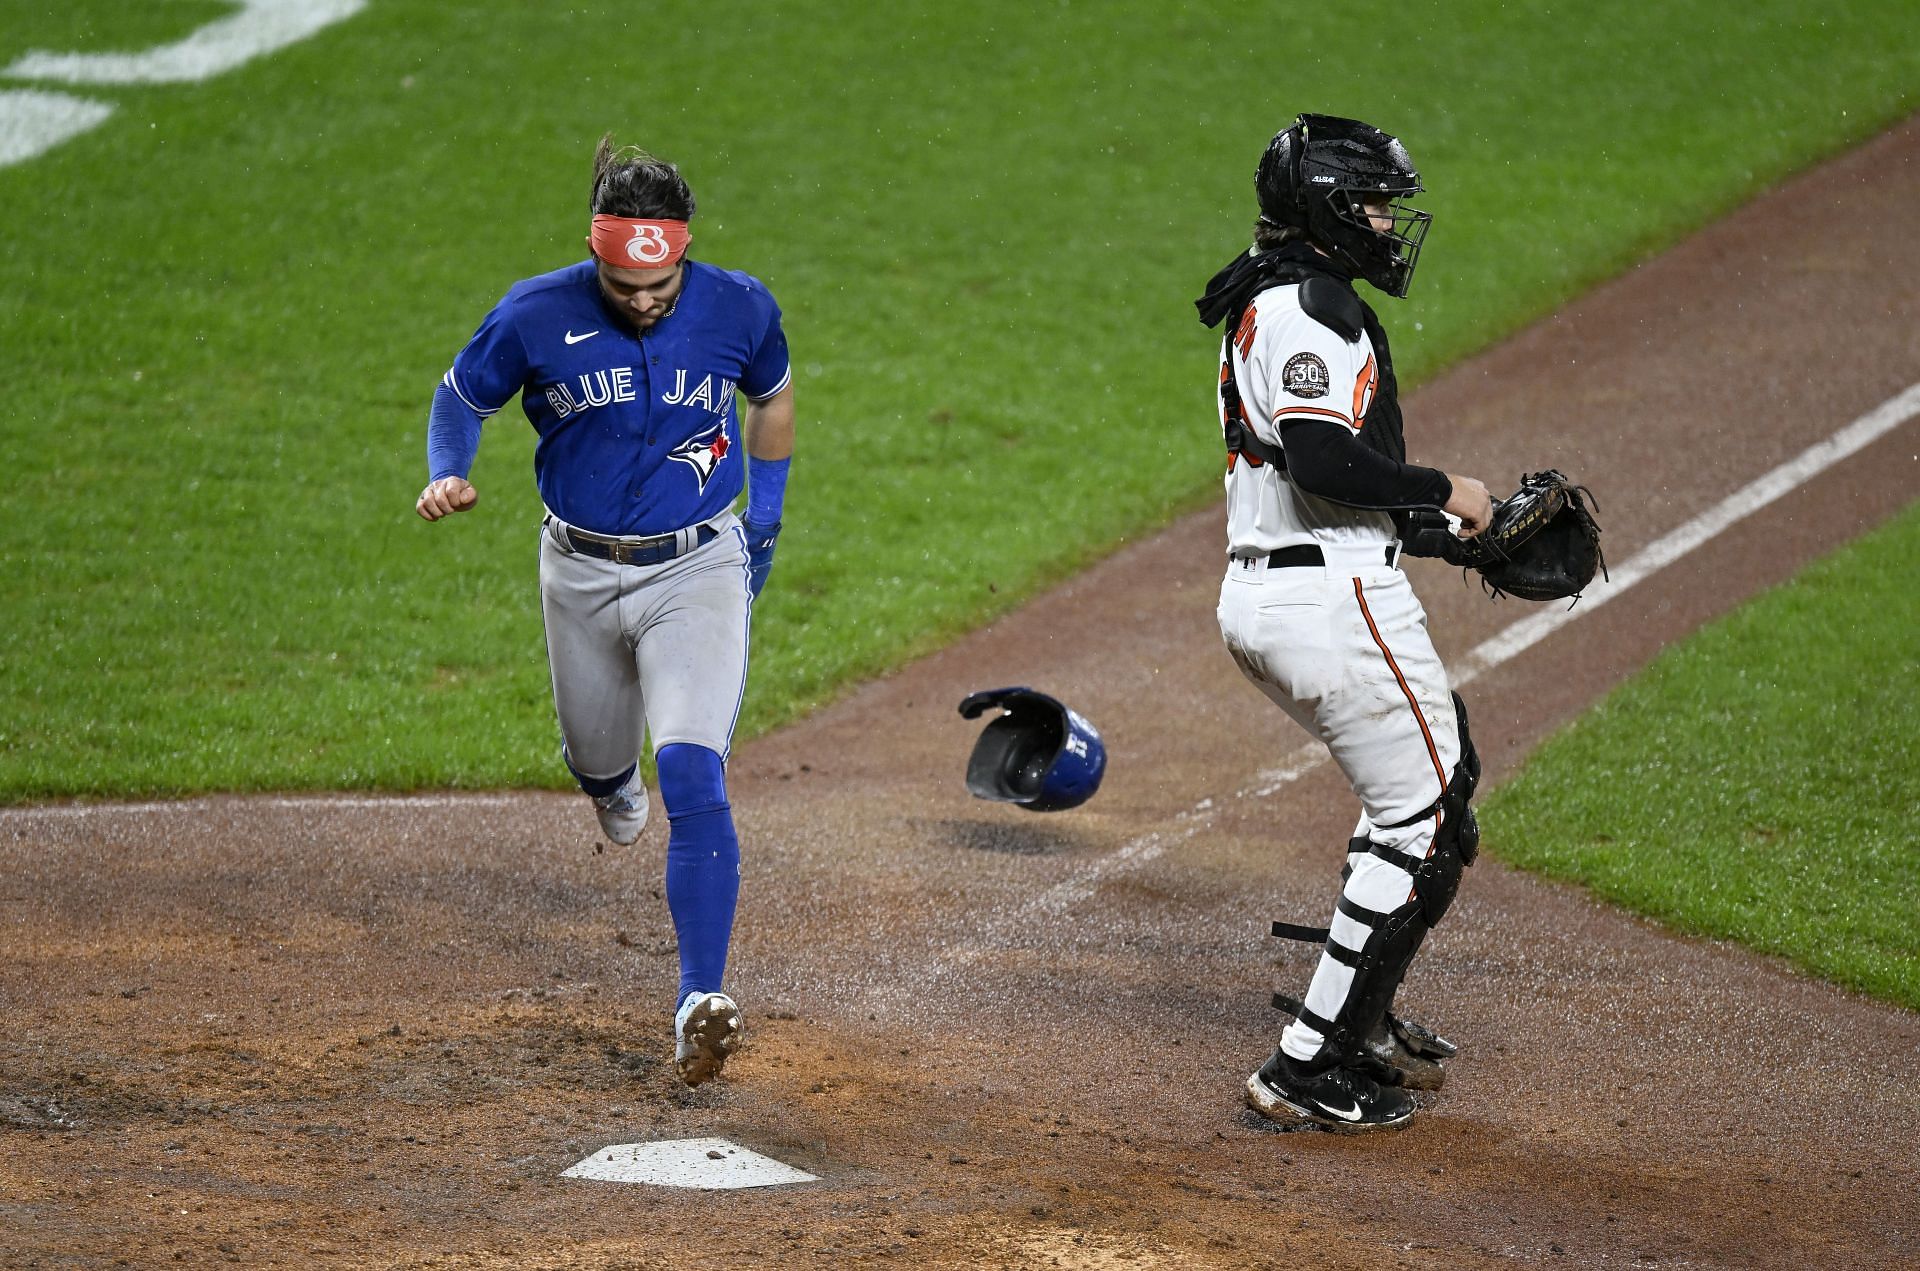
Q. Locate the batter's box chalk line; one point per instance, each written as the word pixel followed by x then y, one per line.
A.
pixel 701 1164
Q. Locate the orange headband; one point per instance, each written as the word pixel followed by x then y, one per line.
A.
pixel 630 244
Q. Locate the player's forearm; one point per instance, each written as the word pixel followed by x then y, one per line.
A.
pixel 768 432
pixel 1326 460
pixel 769 426
pixel 453 435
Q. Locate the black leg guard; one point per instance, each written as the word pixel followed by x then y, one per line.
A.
pixel 1365 1026
pixel 1377 968
pixel 1455 802
pixel 1456 840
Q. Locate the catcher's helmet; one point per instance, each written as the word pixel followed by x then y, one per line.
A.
pixel 1039 754
pixel 1316 174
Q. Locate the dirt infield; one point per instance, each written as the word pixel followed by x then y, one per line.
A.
pixel 367 1032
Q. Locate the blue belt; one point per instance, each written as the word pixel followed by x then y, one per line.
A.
pixel 634 551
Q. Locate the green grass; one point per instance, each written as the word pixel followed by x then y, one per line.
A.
pixel 226 309
pixel 1760 782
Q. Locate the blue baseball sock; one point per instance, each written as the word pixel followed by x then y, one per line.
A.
pixel 703 863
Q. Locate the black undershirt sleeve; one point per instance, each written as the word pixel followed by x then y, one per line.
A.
pixel 1325 459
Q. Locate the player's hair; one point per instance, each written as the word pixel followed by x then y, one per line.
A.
pixel 627 181
pixel 1267 235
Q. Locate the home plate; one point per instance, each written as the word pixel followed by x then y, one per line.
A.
pixel 707 1164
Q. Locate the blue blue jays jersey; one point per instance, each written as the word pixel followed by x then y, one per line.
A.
pixel 639 434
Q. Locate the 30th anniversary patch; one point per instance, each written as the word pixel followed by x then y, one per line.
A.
pixel 1304 375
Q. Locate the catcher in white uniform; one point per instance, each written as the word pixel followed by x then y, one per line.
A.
pixel 1315 610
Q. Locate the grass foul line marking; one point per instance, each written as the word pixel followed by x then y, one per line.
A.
pixel 33 122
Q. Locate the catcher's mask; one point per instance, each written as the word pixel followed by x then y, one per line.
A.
pixel 1038 753
pixel 1316 176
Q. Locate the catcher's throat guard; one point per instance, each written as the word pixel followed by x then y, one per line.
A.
pixel 1037 753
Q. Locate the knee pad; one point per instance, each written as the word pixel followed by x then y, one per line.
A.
pixel 1456 840
pixel 692 780
pixel 1457 820
pixel 1437 878
pixel 1456 837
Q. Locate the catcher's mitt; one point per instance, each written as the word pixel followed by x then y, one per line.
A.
pixel 1543 543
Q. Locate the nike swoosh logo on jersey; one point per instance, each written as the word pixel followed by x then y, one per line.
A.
pixel 575 339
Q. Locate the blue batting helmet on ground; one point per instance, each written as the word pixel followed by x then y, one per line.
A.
pixel 1038 753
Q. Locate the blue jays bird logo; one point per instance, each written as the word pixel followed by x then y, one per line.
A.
pixel 703 452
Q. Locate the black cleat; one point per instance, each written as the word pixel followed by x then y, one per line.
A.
pixel 1420 1039
pixel 1340 1098
pixel 1412 1051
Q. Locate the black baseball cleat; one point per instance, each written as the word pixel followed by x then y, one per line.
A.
pixel 1416 1053
pixel 1340 1098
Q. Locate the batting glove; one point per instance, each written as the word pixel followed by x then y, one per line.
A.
pixel 759 553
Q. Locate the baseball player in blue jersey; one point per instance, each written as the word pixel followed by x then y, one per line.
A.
pixel 628 365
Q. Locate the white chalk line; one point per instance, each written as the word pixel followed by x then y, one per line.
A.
pixel 259 27
pixel 291 803
pixel 1503 647
pixel 1743 502
pixel 33 122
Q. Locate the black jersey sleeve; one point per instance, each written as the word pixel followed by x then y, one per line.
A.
pixel 1325 459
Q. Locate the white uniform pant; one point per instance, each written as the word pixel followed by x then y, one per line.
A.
pixel 1344 650
pixel 660 648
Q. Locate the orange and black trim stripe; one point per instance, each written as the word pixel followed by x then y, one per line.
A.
pixel 1363 390
pixel 1433 751
pixel 1309 412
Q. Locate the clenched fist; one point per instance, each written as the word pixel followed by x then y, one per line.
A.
pixel 445 497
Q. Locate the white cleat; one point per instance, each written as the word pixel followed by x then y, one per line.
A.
pixel 623 814
pixel 705 1031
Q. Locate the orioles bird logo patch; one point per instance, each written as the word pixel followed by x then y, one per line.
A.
pixel 703 452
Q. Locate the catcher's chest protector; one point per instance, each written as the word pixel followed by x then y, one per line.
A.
pixel 1331 301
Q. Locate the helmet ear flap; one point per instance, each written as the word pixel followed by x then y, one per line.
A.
pixel 1299 131
pixel 1277 180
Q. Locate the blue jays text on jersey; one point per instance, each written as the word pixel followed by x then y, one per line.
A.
pixel 637 432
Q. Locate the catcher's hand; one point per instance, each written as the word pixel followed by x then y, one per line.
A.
pixel 1470 504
